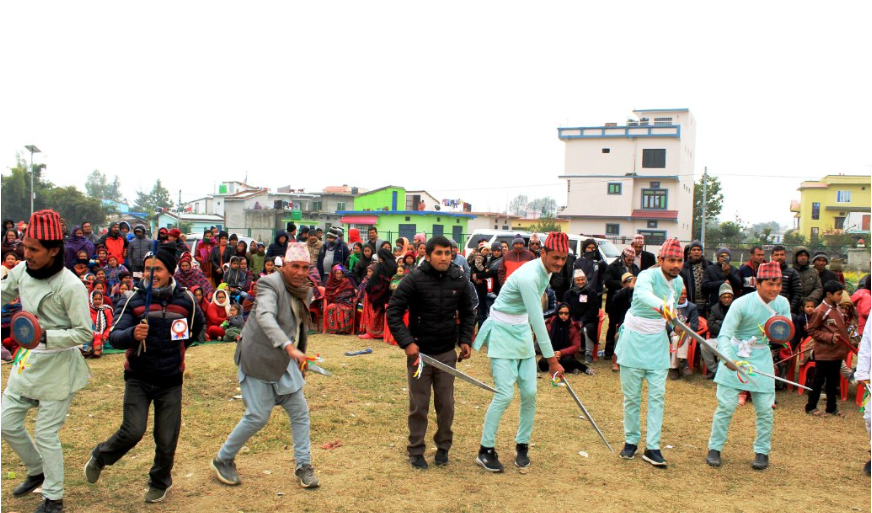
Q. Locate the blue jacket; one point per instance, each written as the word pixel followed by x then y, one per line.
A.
pixel 340 255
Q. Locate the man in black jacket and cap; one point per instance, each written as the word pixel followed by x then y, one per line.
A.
pixel 693 273
pixel 153 370
pixel 614 282
pixel 791 285
pixel 436 294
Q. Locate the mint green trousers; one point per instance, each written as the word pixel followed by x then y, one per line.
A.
pixel 631 386
pixel 728 400
pixel 506 373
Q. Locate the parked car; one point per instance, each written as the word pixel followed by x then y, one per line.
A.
pixel 194 239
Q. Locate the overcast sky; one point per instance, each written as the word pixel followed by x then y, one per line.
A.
pixel 460 98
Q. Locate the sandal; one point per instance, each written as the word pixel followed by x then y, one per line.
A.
pixel 817 413
pixel 837 413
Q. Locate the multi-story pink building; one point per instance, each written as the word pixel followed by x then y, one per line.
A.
pixel 632 177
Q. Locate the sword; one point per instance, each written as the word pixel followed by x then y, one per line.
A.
pixel 454 372
pixel 754 370
pixel 586 414
pixel 320 370
pixel 794 356
pixel 728 362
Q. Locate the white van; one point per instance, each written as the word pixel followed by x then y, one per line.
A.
pixel 608 251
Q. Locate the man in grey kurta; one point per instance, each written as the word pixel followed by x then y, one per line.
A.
pixel 270 354
pixel 48 376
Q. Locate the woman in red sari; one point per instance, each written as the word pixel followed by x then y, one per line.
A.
pixel 339 294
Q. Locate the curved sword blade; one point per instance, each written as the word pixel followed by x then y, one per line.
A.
pixel 450 370
pixel 586 414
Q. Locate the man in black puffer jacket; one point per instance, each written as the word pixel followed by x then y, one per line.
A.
pixel 153 369
pixel 436 294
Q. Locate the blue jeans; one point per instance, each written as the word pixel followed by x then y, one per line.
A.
pixel 260 397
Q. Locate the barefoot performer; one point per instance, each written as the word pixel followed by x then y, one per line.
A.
pixel 510 348
pixel 270 355
pixel 47 376
pixel 643 351
pixel 743 339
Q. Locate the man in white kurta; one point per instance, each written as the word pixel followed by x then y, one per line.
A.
pixel 643 351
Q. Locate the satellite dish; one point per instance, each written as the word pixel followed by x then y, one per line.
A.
pixel 438 207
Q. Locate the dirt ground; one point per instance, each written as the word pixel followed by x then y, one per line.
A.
pixel 816 463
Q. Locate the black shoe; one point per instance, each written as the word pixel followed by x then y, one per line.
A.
pixel 629 451
pixel 761 462
pixel 654 457
pixel 867 468
pixel 226 471
pixel 418 462
pixel 50 506
pixel 441 457
pixel 487 458
pixel 522 460
pixel 673 374
pixel 93 470
pixel 713 458
pixel 30 484
pixel 709 374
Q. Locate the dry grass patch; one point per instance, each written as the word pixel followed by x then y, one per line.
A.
pixel 364 404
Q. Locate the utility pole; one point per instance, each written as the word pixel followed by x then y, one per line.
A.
pixel 32 149
pixel 179 219
pixel 704 190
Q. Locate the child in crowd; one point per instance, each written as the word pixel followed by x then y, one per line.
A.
pixel 234 323
pixel 113 270
pixel 101 322
pixel 800 323
pixel 248 303
pixel 268 268
pixel 398 277
pixel 827 328
pixel 258 259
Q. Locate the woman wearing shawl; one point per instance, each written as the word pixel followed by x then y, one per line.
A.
pixel 340 295
pixel 356 251
pixel 12 243
pixel 200 298
pixel 101 321
pixel 565 335
pixel 77 242
pixel 204 251
pixel 217 312
pixel 378 293
pixel 362 264
pixel 113 271
pixel 242 252
pixel 189 277
pixel 10 260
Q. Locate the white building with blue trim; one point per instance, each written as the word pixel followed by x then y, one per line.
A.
pixel 632 177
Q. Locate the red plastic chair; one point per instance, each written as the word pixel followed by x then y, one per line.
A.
pixel 844 383
pixel 803 371
pixel 703 331
pixel 320 314
pixel 599 331
pixel 860 390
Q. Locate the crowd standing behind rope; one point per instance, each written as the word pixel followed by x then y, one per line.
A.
pixel 374 289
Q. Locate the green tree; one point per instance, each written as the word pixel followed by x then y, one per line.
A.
pixel 16 190
pixel 518 206
pixel 546 205
pixel 731 233
pixel 713 203
pixel 74 206
pixel 794 237
pixel 154 201
pixel 96 185
pixel 546 224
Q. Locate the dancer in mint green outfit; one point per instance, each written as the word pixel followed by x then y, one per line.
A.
pixel 741 337
pixel 510 348
pixel 643 350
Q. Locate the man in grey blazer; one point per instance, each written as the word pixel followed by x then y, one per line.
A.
pixel 270 353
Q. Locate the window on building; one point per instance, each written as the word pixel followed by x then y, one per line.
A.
pixel 815 232
pixel 456 234
pixel 316 206
pixel 843 196
pixel 615 188
pixel 340 205
pixel 815 211
pixel 654 237
pixel 839 223
pixel 407 231
pixel 654 199
pixel 662 121
pixel 654 158
pixel 438 229
pixel 652 224
pixel 607 150
pixel 613 229
pixel 505 227
pixel 655 185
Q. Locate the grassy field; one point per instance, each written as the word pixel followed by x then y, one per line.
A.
pixel 816 463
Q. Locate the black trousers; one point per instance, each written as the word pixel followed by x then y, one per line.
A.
pixel 138 395
pixel 569 364
pixel 825 370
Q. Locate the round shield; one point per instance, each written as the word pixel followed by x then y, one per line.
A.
pixel 26 330
pixel 779 329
